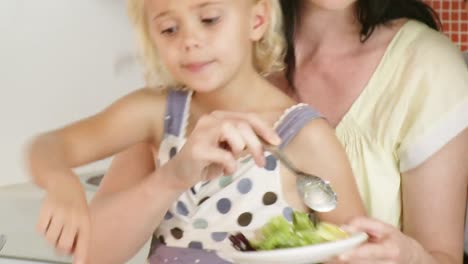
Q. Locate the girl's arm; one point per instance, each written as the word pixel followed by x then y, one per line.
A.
pixel 134 195
pixel 64 218
pixel 128 206
pixel 132 119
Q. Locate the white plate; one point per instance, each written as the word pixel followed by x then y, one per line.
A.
pixel 300 255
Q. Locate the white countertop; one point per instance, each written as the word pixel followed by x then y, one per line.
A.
pixel 20 261
pixel 19 207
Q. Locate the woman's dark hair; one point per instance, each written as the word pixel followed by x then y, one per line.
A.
pixel 370 14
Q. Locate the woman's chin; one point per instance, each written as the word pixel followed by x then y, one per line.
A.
pixel 333 5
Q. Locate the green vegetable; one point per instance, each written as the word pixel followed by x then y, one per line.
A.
pixel 279 233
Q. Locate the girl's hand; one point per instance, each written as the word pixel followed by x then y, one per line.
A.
pixel 386 244
pixel 215 144
pixel 64 219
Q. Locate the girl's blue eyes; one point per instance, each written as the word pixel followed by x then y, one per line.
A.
pixel 206 21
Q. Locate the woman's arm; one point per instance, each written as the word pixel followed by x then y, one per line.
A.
pixel 434 203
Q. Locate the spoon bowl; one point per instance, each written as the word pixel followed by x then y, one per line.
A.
pixel 316 193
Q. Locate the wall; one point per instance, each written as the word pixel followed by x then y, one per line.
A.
pixel 60 60
pixel 454 17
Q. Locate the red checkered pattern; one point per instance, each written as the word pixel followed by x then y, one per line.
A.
pixel 454 16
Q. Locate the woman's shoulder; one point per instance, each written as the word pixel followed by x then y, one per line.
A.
pixel 426 44
pixel 420 53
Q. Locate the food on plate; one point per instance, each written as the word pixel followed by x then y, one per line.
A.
pixel 278 233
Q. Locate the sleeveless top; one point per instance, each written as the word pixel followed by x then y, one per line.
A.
pixel 205 215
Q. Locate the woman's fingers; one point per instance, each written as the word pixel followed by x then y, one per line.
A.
pixel 385 245
pixel 336 261
pixel 375 228
pixel 371 253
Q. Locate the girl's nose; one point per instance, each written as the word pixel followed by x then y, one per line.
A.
pixel 191 39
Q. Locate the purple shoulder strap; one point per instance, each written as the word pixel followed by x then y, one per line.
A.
pixel 294 121
pixel 175 108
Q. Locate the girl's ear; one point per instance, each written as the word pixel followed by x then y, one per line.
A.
pixel 261 12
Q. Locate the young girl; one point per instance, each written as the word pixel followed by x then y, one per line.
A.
pixel 199 171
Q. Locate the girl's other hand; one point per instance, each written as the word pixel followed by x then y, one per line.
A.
pixel 64 218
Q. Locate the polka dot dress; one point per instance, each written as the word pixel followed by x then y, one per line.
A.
pixel 205 215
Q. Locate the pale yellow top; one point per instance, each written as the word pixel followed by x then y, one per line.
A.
pixel 415 102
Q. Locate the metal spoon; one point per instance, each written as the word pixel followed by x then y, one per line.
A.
pixel 316 193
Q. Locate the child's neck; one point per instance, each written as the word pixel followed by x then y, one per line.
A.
pixel 249 95
pixel 239 95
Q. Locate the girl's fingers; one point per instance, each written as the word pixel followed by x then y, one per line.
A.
pixel 231 135
pixel 261 128
pixel 82 244
pixel 67 238
pixel 213 171
pixel 218 156
pixel 45 216
pixel 55 229
pixel 254 146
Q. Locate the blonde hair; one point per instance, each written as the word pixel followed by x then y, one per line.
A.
pixel 268 52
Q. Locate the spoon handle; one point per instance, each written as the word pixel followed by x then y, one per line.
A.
pixel 282 158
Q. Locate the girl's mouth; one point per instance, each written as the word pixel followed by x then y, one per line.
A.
pixel 196 67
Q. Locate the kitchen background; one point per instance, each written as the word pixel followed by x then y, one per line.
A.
pixel 63 60
pixel 454 16
pixel 60 60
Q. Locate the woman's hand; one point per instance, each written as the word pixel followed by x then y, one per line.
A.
pixel 215 144
pixel 64 218
pixel 386 244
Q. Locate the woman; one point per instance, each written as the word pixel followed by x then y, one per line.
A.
pixel 396 92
